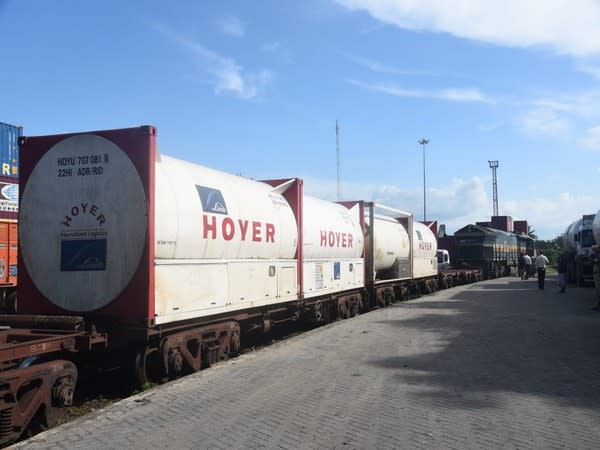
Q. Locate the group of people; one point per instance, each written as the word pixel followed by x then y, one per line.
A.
pixel 540 262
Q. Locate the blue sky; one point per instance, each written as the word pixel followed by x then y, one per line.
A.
pixel 255 88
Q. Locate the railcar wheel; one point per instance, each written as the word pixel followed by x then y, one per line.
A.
pixel 141 376
pixel 37 424
pixel 234 344
pixel 320 312
pixel 146 367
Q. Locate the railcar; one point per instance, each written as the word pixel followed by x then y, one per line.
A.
pixel 525 245
pixel 136 258
pixel 495 252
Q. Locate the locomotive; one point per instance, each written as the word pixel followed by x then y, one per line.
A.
pixel 494 251
pixel 135 258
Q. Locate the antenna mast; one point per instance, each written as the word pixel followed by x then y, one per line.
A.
pixel 494 166
pixel 337 145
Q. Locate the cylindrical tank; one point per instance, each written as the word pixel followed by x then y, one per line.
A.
pixel 202 213
pixel 390 242
pixel 425 242
pixel 568 241
pixel 331 230
pixel 596 227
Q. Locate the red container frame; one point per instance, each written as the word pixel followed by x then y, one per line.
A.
pixel 134 306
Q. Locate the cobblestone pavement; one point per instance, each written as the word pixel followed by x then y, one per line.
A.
pixel 499 364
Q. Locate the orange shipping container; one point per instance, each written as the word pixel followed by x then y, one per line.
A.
pixel 9 232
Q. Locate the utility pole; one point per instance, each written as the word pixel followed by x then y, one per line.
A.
pixel 494 166
pixel 337 146
pixel 424 142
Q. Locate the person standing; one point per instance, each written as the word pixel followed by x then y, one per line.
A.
pixel 562 272
pixel 540 263
pixel 521 264
pixel 527 262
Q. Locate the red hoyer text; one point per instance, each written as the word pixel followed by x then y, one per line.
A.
pixel 247 230
pixel 336 239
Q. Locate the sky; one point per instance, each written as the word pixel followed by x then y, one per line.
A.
pixel 255 88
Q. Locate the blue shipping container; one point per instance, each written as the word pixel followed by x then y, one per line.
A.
pixel 9 150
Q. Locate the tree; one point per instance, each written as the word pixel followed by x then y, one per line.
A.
pixel 532 234
pixel 551 248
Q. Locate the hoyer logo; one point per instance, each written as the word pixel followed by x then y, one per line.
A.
pixel 425 245
pixel 83 209
pixel 247 230
pixel 336 239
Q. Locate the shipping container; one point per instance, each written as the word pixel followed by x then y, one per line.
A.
pixel 9 198
pixel 9 150
pixel 504 223
pixel 521 227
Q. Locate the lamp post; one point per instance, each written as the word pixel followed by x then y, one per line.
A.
pixel 424 142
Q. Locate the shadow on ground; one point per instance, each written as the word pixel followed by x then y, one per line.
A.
pixel 504 336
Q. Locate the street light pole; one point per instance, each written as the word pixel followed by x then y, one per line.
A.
pixel 424 142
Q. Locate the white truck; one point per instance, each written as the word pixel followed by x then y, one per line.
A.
pixel 578 240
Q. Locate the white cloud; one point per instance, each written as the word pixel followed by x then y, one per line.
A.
pixel 545 121
pixel 456 205
pixel 280 49
pixel 591 139
pixel 378 67
pixel 561 115
pixel 550 216
pixel 490 126
pixel 594 71
pixel 226 75
pixel 449 94
pixel 569 27
pixel 232 26
pixel 465 201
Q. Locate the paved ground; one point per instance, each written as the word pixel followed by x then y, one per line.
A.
pixel 495 365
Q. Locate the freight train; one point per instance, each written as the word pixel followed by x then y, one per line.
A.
pixel 132 258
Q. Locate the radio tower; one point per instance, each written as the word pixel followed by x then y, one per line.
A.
pixel 494 166
pixel 337 146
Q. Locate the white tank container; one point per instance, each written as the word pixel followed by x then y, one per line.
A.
pixel 569 243
pixel 331 230
pixel 202 213
pixel 425 255
pixel 425 242
pixel 390 242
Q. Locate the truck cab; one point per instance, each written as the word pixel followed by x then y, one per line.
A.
pixel 443 258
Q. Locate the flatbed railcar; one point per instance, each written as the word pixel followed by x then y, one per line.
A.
pixel 142 260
